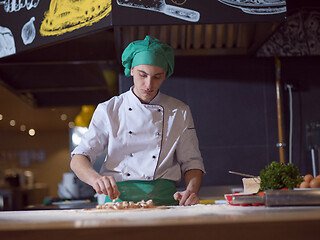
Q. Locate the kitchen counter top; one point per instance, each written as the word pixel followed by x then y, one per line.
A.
pixel 192 222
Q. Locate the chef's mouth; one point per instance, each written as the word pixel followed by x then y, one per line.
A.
pixel 147 91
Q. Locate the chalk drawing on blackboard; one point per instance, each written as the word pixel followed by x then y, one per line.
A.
pixel 7 44
pixel 28 32
pixel 16 5
pixel 179 2
pixel 259 7
pixel 161 6
pixel 69 15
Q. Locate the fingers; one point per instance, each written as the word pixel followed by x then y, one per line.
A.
pixel 96 187
pixel 177 196
pixel 106 185
pixel 114 187
pixel 192 199
pixel 186 198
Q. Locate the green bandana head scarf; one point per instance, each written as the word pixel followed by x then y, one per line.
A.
pixel 150 51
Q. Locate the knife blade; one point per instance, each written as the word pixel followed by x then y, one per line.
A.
pixel 243 174
pixel 161 6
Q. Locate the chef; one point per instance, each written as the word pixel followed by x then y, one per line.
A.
pixel 149 138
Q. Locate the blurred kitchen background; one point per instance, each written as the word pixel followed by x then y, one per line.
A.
pixel 226 73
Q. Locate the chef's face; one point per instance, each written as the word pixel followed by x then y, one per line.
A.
pixel 147 80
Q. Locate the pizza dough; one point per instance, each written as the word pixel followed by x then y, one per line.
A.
pixel 126 205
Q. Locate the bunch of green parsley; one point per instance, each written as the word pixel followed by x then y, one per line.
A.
pixel 279 175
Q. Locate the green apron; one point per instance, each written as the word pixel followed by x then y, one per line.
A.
pixel 160 191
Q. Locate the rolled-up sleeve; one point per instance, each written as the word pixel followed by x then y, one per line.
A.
pixel 94 141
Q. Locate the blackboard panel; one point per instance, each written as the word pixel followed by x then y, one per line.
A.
pixel 166 12
pixel 28 24
pixel 36 23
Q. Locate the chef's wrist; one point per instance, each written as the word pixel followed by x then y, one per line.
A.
pixel 192 190
pixel 93 178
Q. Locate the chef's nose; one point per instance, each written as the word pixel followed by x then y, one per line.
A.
pixel 148 82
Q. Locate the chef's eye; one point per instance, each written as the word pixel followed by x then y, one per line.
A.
pixel 143 75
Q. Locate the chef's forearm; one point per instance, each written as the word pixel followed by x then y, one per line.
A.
pixel 193 180
pixel 83 168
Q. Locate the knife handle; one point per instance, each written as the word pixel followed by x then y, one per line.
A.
pixel 182 13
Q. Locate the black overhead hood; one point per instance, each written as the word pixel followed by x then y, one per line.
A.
pixel 67 53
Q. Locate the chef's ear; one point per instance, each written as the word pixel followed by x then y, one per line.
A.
pixel 131 71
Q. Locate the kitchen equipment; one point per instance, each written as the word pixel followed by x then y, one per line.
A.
pixel 26 179
pixel 242 174
pixel 313 143
pixel 275 198
pixel 74 204
pixel 72 187
pixel 100 198
pixel 161 6
pixel 245 199
pixel 68 188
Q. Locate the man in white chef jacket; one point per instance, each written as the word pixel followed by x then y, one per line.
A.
pixel 149 137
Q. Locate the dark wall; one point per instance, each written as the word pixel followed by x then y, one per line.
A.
pixel 303 74
pixel 233 102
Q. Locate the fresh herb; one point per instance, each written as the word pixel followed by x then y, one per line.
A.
pixel 278 175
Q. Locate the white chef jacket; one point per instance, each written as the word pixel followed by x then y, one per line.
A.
pixel 142 141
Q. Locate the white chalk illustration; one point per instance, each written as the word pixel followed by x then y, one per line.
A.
pixel 16 5
pixel 161 6
pixel 7 44
pixel 260 7
pixel 179 2
pixel 28 32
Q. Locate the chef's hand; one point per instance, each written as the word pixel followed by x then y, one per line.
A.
pixel 106 185
pixel 186 198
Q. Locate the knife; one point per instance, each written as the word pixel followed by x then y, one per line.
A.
pixel 275 198
pixel 243 174
pixel 161 6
